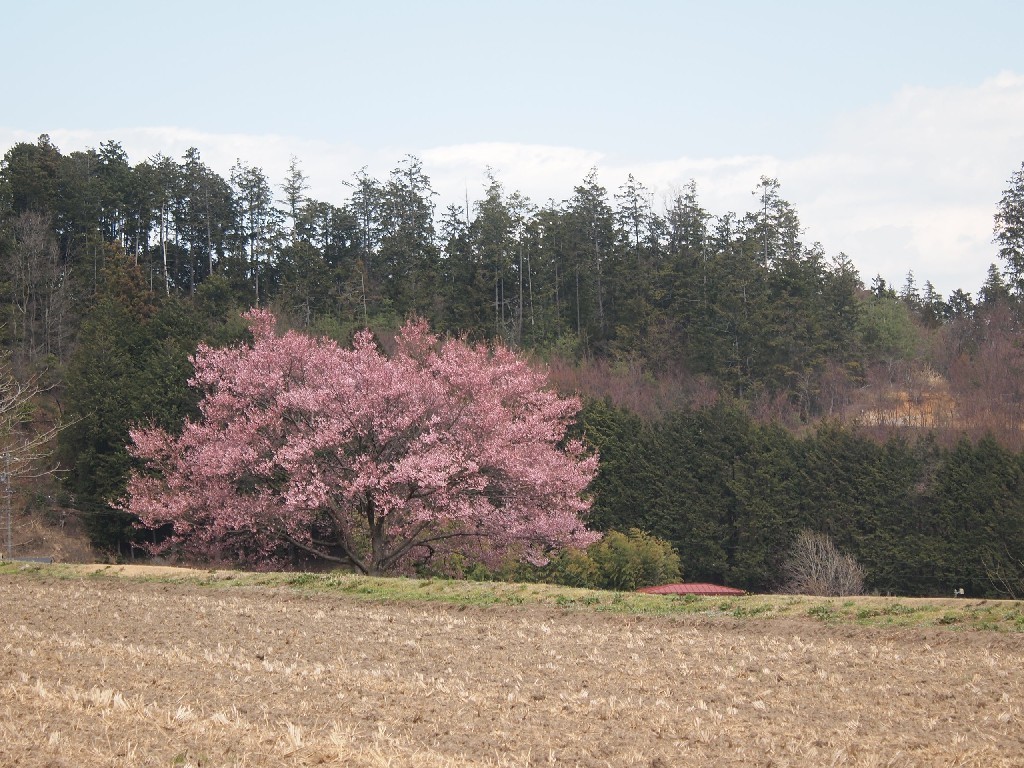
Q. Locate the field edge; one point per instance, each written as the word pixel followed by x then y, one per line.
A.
pixel 953 614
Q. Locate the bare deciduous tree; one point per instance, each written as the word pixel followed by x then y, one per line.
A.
pixel 23 443
pixel 1005 572
pixel 816 567
pixel 40 302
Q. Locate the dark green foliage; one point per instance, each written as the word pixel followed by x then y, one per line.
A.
pixel 30 176
pixel 980 511
pixel 699 504
pixel 626 474
pixel 731 496
pixel 131 367
pixel 769 487
pixel 995 290
pixel 737 298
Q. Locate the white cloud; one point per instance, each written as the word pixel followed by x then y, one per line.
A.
pixel 933 161
pixel 538 171
pixel 909 184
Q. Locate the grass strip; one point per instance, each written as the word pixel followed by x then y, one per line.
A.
pixel 869 611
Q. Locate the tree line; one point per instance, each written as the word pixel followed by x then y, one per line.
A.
pixel 732 495
pixel 113 273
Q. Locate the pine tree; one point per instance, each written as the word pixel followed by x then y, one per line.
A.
pixel 1009 232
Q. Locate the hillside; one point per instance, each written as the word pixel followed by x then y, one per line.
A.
pixel 740 384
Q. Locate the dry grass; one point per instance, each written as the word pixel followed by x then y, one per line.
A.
pixel 57 535
pixel 949 613
pixel 123 672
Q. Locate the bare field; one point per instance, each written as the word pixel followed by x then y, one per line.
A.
pixel 101 671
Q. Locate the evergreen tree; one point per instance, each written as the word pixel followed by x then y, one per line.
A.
pixel 729 332
pixel 769 486
pixel 113 172
pixel 257 233
pixel 995 291
pixel 1009 232
pixel 587 243
pixel 688 252
pixel 773 230
pixel 203 220
pixel 131 366
pixel 30 174
pixel 466 280
pixel 628 481
pixel 639 278
pixel 408 255
pixel 294 188
pixel 497 236
pixel 704 453
pixel 978 492
pixel 960 304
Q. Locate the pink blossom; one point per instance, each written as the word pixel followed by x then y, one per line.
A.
pixel 308 451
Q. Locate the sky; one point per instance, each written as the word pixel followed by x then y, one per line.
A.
pixel 893 127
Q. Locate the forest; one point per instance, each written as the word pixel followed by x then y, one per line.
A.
pixel 739 384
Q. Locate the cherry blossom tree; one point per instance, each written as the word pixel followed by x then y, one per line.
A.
pixel 306 451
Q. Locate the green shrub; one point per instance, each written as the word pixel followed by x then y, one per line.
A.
pixel 619 561
pixel 574 568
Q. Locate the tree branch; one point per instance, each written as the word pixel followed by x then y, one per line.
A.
pixel 348 559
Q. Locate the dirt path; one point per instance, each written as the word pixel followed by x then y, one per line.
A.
pixel 108 672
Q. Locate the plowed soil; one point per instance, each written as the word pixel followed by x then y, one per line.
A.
pixel 115 672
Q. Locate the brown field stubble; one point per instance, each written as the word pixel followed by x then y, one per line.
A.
pixel 114 672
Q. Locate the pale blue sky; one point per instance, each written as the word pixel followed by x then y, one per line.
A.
pixel 893 127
